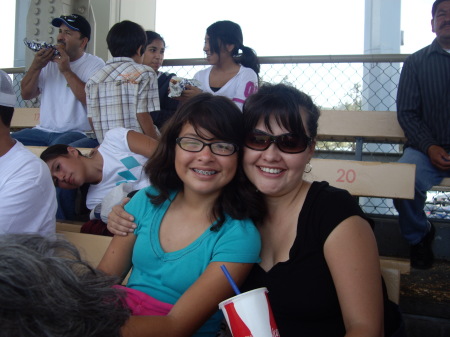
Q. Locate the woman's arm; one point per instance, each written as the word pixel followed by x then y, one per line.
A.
pixel 117 258
pixel 141 144
pixel 194 307
pixel 352 256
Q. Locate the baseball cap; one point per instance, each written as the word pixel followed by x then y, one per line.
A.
pixel 74 22
pixel 7 95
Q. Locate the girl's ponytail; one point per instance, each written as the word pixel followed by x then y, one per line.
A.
pixel 249 59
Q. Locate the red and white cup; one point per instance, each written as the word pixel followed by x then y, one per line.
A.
pixel 249 314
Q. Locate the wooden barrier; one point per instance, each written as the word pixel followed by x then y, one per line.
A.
pixel 335 125
pixel 37 150
pixel 365 127
pixel 25 118
pixel 370 179
pixel 92 248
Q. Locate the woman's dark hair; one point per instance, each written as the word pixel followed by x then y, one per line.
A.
pixel 151 36
pixel 222 33
pixel 55 151
pixel 283 102
pixel 124 38
pixel 46 289
pixel 223 119
pixel 6 113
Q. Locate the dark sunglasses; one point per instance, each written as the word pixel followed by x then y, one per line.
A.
pixel 288 142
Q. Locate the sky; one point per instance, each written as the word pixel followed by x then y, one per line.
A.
pixel 326 27
pixel 308 28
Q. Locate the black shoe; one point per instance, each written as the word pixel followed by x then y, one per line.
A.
pixel 421 254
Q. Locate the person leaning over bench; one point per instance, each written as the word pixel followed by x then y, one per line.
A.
pixel 48 290
pixel 28 200
pixel 60 80
pixel 423 108
pixel 112 171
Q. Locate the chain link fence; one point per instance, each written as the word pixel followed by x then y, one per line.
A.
pixel 339 82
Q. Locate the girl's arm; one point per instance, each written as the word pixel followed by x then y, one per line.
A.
pixel 352 256
pixel 194 307
pixel 141 144
pixel 117 258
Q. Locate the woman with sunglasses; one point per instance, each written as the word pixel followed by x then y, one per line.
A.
pixel 319 257
pixel 194 218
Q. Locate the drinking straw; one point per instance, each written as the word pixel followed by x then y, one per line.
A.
pixel 227 274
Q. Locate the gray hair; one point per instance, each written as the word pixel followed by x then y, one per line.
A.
pixel 46 289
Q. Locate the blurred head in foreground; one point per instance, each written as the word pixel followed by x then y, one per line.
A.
pixel 47 290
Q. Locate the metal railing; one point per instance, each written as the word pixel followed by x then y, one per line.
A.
pixel 341 82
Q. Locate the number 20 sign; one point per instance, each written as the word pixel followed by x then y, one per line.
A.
pixel 346 176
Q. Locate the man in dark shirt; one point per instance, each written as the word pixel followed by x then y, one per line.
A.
pixel 423 109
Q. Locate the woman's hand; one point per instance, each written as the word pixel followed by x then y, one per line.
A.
pixel 190 92
pixel 119 221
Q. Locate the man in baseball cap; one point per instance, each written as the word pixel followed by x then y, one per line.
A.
pixel 60 81
pixel 74 22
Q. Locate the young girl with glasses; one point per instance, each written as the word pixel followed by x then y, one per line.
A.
pixel 195 217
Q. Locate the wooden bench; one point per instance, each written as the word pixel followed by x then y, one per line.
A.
pixel 334 125
pixel 28 118
pixel 92 248
pixel 364 178
pixel 37 150
pixel 25 118
pixel 363 127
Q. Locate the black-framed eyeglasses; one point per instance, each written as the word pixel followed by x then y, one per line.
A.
pixel 288 142
pixel 196 145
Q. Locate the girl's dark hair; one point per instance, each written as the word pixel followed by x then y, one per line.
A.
pixel 151 36
pixel 284 102
pixel 221 33
pixel 6 113
pixel 55 151
pixel 223 119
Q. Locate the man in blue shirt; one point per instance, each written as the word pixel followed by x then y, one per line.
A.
pixel 423 109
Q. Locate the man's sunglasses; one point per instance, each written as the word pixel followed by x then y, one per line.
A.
pixel 288 142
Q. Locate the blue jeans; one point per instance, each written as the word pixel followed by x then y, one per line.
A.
pixel 37 137
pixel 412 218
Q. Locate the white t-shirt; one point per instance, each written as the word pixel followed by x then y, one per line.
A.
pixel 60 110
pixel 242 85
pixel 120 165
pixel 27 194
